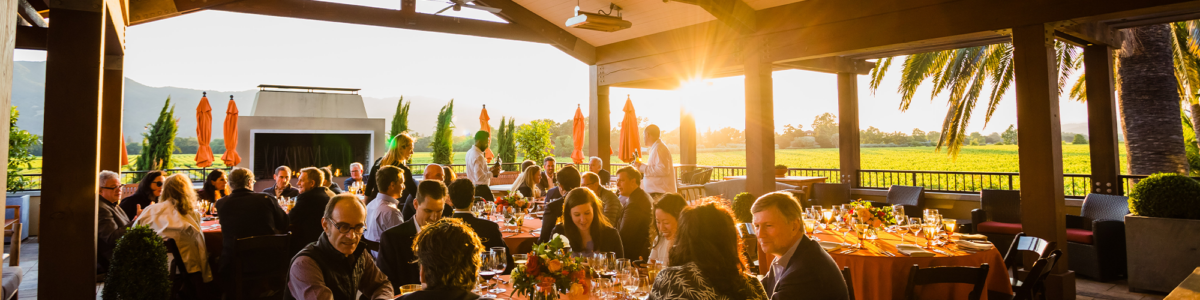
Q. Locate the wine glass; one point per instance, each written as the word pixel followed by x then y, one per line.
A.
pixel 914 226
pixel 641 288
pixel 951 226
pixel 861 229
pixel 602 287
pixel 520 259
pixel 844 229
pixel 901 227
pixel 499 263
pixel 827 215
pixel 624 266
pixel 485 270
pixel 809 226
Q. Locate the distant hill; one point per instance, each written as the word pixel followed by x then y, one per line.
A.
pixel 142 104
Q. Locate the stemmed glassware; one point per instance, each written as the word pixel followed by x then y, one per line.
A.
pixel 499 263
pixel 902 226
pixel 861 229
pixel 637 286
pixel 914 226
pixel 486 272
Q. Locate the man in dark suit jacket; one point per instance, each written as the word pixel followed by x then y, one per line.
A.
pixel 450 247
pixel 802 269
pixel 568 179
pixel 305 217
pixel 111 221
pixel 597 166
pixel 637 216
pixel 462 193
pixel 282 187
pixel 245 213
pixel 396 258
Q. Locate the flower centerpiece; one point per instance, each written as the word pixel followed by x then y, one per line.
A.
pixel 519 205
pixel 551 268
pixel 875 217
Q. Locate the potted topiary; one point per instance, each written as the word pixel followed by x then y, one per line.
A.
pixel 741 211
pixel 1160 231
pixel 781 171
pixel 139 267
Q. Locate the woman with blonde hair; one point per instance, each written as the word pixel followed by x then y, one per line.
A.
pixel 398 155
pixel 527 183
pixel 175 217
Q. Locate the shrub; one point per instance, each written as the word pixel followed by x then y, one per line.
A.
pixel 741 207
pixel 1166 195
pixel 139 267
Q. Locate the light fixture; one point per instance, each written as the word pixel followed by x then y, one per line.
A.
pixel 600 21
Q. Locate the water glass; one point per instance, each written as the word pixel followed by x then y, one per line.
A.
pixel 520 259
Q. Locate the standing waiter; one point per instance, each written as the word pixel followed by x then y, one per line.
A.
pixel 477 168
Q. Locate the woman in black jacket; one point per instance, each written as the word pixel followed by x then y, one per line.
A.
pixel 398 156
pixel 214 186
pixel 582 210
pixel 147 193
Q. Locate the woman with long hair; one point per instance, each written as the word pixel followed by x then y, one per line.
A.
pixel 666 220
pixel 527 183
pixel 214 186
pixel 175 217
pixel 705 261
pixel 585 226
pixel 398 156
pixel 147 193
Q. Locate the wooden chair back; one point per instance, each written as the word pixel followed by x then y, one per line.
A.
pixel 128 189
pixel 259 271
pixel 968 275
pixel 1014 260
pixel 12 226
pixel 176 268
pixel 1032 287
pixel 691 192
pixel 849 282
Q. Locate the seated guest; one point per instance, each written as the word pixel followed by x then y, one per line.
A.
pixel 214 186
pixel 335 267
pixel 568 179
pixel 448 174
pixel 329 184
pixel 707 263
pixel 356 176
pixel 245 213
pixel 596 165
pixel 111 221
pixel 610 204
pixel 174 216
pixel 462 194
pixel 283 186
pixel 637 214
pixel 666 220
pixel 585 227
pixel 433 172
pixel 527 183
pixel 397 156
pixel 802 269
pixel 526 164
pixel 384 211
pixel 449 254
pixel 325 182
pixel 549 170
pixel 147 193
pixel 305 217
pixel 396 258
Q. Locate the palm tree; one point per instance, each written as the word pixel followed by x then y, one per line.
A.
pixel 963 73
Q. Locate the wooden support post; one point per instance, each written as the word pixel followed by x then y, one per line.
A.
pixel 8 33
pixel 598 118
pixel 848 148
pixel 112 114
pixel 1102 120
pixel 1042 204
pixel 74 84
pixel 760 128
pixel 687 139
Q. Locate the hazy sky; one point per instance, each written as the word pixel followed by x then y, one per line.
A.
pixel 222 51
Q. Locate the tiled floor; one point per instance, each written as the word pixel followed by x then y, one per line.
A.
pixel 1085 289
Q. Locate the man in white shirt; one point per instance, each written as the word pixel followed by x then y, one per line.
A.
pixel 658 171
pixel 384 213
pixel 477 168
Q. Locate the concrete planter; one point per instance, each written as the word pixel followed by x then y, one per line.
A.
pixel 1162 251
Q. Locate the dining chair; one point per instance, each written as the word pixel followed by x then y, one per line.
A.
pixel 1014 260
pixel 968 275
pixel 830 194
pixel 183 284
pixel 1032 287
pixel 1096 238
pixel 259 271
pixel 912 197
pixel 999 215
pixel 849 282
pixel 13 274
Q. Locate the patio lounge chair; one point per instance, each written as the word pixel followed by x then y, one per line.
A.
pixel 1096 239
pixel 999 216
pixel 830 194
pixel 912 197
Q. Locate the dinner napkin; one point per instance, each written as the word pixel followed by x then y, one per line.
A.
pixel 970 236
pixel 981 245
pixel 830 246
pixel 913 250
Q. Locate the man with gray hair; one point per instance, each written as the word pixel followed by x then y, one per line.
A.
pixel 245 213
pixel 111 221
pixel 597 166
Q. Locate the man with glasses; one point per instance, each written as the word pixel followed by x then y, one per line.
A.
pixel 111 221
pixel 335 267
pixel 396 257
pixel 283 186
pixel 356 176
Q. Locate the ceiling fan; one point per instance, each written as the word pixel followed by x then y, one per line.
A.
pixel 457 5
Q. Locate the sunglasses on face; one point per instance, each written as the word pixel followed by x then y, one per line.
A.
pixel 158 183
pixel 346 228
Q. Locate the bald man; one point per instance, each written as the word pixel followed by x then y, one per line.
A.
pixel 433 172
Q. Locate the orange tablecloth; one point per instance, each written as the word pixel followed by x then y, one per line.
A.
pixel 877 276
pixel 523 242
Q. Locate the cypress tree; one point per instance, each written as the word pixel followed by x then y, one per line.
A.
pixel 443 136
pixel 399 120
pixel 159 143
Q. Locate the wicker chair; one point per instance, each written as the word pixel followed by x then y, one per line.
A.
pixel 830 194
pixel 1096 239
pixel 912 197
pixel 999 216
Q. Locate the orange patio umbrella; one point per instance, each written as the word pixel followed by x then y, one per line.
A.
pixel 124 153
pixel 483 125
pixel 231 157
pixel 580 123
pixel 204 155
pixel 630 145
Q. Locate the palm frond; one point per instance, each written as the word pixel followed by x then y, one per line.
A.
pixel 1186 62
pixel 917 68
pixel 1079 89
pixel 877 72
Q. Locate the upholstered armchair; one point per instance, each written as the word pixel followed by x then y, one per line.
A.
pixel 829 194
pixel 998 216
pixel 1096 238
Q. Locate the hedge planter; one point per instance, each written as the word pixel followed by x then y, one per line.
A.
pixel 1162 251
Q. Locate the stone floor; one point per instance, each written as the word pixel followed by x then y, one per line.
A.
pixel 1085 289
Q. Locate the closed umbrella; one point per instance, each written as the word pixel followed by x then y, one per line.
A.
pixel 231 157
pixel 204 155
pixel 630 138
pixel 580 123
pixel 483 125
pixel 124 153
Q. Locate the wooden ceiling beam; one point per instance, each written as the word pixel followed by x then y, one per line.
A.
pixel 143 11
pixel 362 15
pixel 31 38
pixel 734 13
pixel 557 37
pixel 833 64
pixel 30 14
pixel 1087 34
